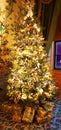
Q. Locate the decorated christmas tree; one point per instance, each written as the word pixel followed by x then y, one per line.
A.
pixel 29 80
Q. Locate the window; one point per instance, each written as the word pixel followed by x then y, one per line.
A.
pixel 57 55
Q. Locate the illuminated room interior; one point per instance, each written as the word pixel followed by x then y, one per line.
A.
pixel 47 14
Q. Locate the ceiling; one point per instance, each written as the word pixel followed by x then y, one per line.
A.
pixel 48 16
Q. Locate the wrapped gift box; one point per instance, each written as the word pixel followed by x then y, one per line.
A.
pixel 17 107
pixel 16 117
pixel 17 113
pixel 43 116
pixel 6 107
pixel 28 115
pixel 40 115
pixel 41 112
pixel 38 119
pixel 49 106
pixel 43 120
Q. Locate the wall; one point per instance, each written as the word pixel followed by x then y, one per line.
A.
pixel 56 73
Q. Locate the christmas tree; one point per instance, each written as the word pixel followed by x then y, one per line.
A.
pixel 29 79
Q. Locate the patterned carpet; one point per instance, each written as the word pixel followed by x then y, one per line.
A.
pixel 6 123
pixel 55 122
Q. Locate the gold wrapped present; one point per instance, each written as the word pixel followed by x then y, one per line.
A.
pixel 38 119
pixel 17 113
pixel 16 117
pixel 28 114
pixel 43 116
pixel 41 120
pixel 49 107
pixel 6 107
pixel 17 107
pixel 40 115
pixel 41 112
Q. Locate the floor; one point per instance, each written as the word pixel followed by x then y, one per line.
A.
pixel 55 122
pixel 9 125
pixel 6 122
